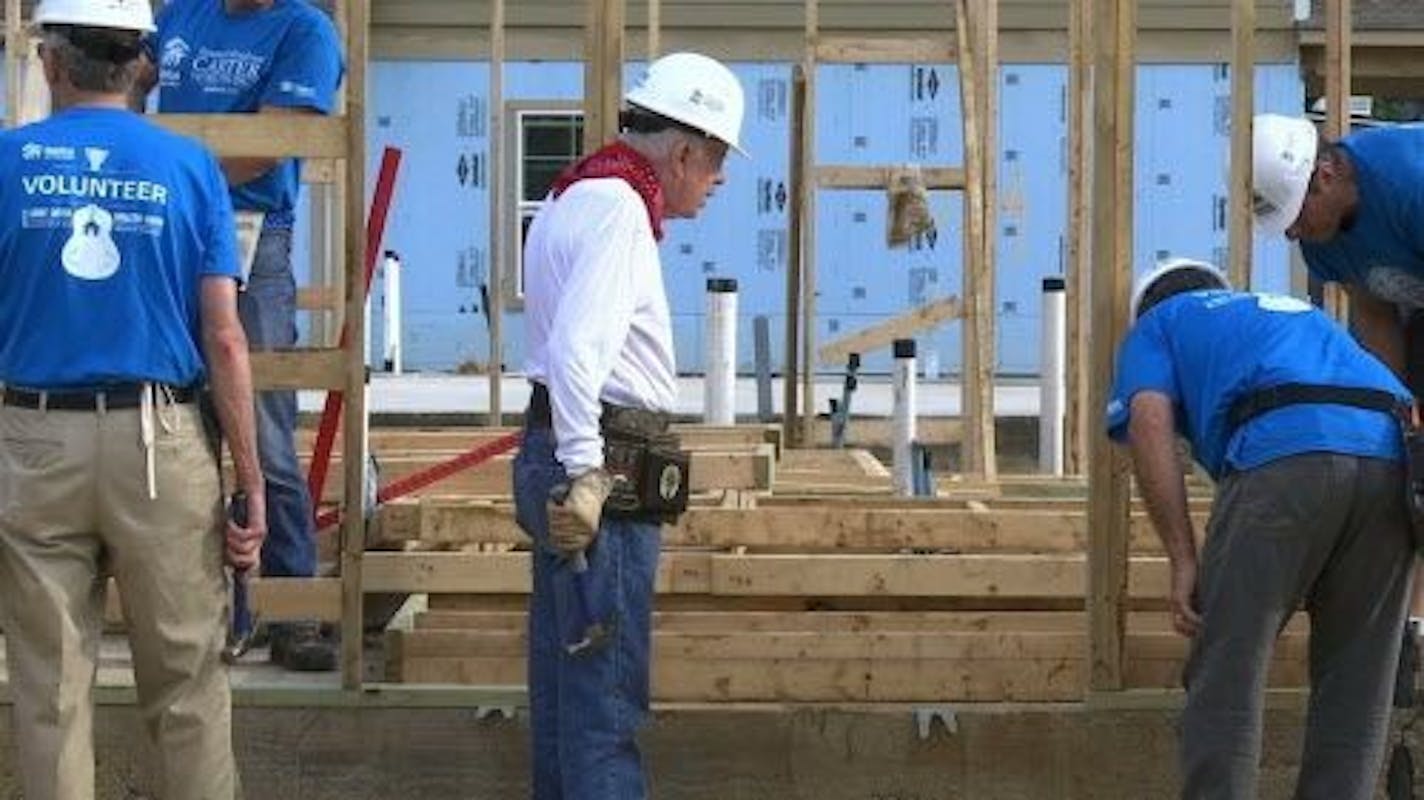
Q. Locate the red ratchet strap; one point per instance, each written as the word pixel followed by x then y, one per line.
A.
pixel 375 232
pixel 427 477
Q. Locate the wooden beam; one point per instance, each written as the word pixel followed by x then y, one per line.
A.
pixel 975 576
pixel 1243 109
pixel 354 441
pixel 795 262
pixel 603 71
pixel 655 29
pixel 695 436
pixel 299 369
pixel 882 50
pixel 846 176
pixel 807 151
pixel 977 340
pixel 319 298
pixel 1109 491
pixel 867 340
pixel 1079 266
pixel 841 528
pixel 498 241
pixel 264 135
pixel 985 295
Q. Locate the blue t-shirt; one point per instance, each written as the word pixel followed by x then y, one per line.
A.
pixel 1207 349
pixel 213 62
pixel 111 224
pixel 1384 250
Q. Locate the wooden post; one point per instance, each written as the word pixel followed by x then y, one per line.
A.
pixel 1078 263
pixel 603 72
pixel 655 29
pixel 354 431
pixel 808 228
pixel 15 43
pixel 1339 28
pixel 499 238
pixel 790 395
pixel 1243 108
pixel 1108 487
pixel 975 300
pixel 980 333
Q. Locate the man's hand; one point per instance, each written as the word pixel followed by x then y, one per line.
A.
pixel 243 549
pixel 574 517
pixel 1185 619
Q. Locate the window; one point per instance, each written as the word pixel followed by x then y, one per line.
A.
pixel 546 141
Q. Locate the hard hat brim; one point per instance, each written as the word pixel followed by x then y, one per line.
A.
pixel 651 103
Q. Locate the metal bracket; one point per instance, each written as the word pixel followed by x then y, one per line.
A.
pixel 840 410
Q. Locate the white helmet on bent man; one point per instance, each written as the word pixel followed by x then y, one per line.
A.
pixel 1213 280
pixel 697 91
pixel 1283 153
pixel 124 15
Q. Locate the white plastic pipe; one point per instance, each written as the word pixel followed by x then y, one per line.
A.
pixel 720 385
pixel 903 387
pixel 1053 377
pixel 391 319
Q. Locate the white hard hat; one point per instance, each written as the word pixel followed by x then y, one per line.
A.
pixel 1139 289
pixel 695 90
pixel 124 15
pixel 1283 159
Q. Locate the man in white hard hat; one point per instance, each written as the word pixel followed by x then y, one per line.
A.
pixel 1356 207
pixel 599 471
pixel 1298 425
pixel 118 302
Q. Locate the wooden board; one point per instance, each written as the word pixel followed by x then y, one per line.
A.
pixel 263 135
pixel 881 335
pixel 299 369
pixel 1045 576
pixel 882 50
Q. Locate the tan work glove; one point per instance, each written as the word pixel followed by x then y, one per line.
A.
pixel 575 509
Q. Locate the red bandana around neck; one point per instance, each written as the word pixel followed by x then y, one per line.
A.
pixel 618 160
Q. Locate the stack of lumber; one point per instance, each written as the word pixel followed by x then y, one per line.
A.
pixel 826 589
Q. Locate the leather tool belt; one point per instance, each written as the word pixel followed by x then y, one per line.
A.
pixel 1257 403
pixel 649 467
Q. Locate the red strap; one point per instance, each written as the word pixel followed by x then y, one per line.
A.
pixel 375 232
pixel 427 477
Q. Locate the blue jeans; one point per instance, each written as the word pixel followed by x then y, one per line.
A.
pixel 268 309
pixel 585 709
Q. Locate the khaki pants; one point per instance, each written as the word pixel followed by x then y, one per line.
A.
pixel 74 506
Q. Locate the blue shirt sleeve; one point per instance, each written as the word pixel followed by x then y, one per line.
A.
pixel 220 256
pixel 307 68
pixel 1144 363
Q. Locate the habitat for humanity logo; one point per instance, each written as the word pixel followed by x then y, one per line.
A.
pixel 34 151
pixel 96 156
pixel 175 50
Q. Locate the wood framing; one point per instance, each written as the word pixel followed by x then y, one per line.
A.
pixel 795 263
pixel 830 176
pixel 498 242
pixel 1243 109
pixel 885 333
pixel 299 369
pixel 655 29
pixel 882 50
pixel 1078 263
pixel 805 156
pixel 15 42
pixel 354 439
pixel 1339 28
pixel 603 71
pixel 1115 24
pixel 266 135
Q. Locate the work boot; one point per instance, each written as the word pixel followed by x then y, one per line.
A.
pixel 303 647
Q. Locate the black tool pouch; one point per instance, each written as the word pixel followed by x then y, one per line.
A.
pixel 650 475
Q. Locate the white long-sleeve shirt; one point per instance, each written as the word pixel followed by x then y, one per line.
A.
pixel 596 319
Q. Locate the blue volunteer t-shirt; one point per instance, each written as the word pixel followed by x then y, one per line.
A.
pixel 110 224
pixel 1384 249
pixel 213 62
pixel 1205 350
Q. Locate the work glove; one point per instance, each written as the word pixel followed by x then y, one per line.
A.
pixel 575 509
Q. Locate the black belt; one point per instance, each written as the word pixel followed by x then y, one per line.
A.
pixel 109 398
pixel 1293 394
pixel 638 420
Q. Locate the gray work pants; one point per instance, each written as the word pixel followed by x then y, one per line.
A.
pixel 1327 531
